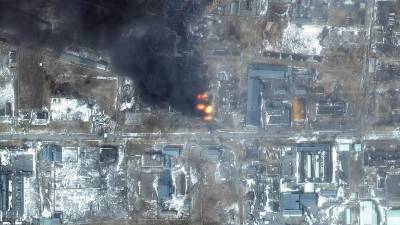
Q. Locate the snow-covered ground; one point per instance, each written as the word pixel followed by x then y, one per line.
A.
pixel 6 84
pixel 263 7
pixel 347 37
pixel 298 40
pixel 82 190
pixel 302 40
pixel 69 109
pixel 75 206
pixel 193 176
pixel 127 92
pixel 7 92
pixel 335 163
pixel 177 202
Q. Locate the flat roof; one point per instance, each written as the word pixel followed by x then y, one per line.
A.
pixel 267 71
pixel 393 187
pixel 393 217
pixel 253 102
pixel 256 73
pixel 368 215
pixel 291 201
pixel 312 147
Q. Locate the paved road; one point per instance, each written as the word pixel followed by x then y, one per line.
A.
pixel 222 134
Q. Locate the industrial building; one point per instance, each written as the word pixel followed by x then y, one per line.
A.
pixel 315 162
pixel 298 110
pixel 252 171
pixel 22 164
pixel 108 153
pixel 172 150
pixel 152 160
pixel 393 217
pixel 162 181
pixel 51 153
pixel 47 221
pixel 335 109
pixel 83 61
pixel 239 7
pixel 165 187
pixel 7 111
pixel 382 158
pixel 368 213
pixel 18 195
pixel 387 30
pixel 180 184
pixel 257 74
pixel 392 188
pixel 276 96
pixel 213 153
pixel 4 177
pixel 17 166
pixel 294 204
pixel 277 114
pixel 12 195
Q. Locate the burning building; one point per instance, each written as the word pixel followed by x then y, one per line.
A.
pixel 257 74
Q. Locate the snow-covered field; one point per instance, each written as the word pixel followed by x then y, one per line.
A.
pixel 69 109
pixel 6 83
pixel 263 7
pixel 302 40
pixel 298 40
pixel 82 190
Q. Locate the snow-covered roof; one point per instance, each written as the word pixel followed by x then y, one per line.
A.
pixel 368 214
pixel 393 217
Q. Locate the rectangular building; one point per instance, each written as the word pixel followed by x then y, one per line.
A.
pixel 315 162
pixel 172 150
pixel 277 114
pixel 257 73
pixel 331 108
pixel 393 217
pixel 368 214
pixel 152 160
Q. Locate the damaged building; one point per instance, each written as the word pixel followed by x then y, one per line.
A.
pixel 296 204
pixel 334 109
pixel 277 113
pixel 315 162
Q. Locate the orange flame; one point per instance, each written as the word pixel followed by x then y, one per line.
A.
pixel 203 96
pixel 204 107
pixel 207 118
pixel 208 109
pixel 200 107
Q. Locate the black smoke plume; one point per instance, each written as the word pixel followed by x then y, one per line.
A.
pixel 147 39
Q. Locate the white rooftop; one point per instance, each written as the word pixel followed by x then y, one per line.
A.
pixel 368 215
pixel 393 217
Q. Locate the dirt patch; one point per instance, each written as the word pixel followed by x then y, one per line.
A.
pixel 92 89
pixel 356 172
pixel 138 147
pixel 216 197
pixel 70 126
pixel 30 80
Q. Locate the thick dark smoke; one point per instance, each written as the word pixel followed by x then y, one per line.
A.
pixel 147 39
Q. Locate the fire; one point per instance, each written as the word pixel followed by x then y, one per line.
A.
pixel 208 109
pixel 207 118
pixel 203 96
pixel 200 107
pixel 204 107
